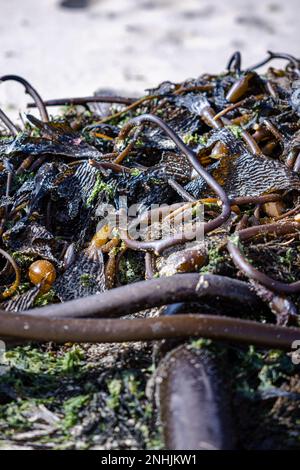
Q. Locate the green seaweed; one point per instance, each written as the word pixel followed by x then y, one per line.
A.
pixel 100 186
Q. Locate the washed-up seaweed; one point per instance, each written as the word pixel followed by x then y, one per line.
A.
pixel 223 149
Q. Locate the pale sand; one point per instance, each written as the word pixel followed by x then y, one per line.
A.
pixel 129 45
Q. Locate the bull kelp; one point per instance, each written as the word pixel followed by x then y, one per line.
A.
pixel 180 211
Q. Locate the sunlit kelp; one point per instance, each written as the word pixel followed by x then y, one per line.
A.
pixel 227 142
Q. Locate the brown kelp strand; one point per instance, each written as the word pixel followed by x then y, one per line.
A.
pixel 147 329
pixel 250 141
pixel 153 293
pixel 131 106
pixel 244 200
pixel 273 129
pixel 250 271
pixel 237 105
pixel 188 89
pixel 83 100
pixel 31 91
pixel 111 166
pixel 149 266
pixel 272 229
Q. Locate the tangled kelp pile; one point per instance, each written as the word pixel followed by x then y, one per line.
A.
pixel 228 143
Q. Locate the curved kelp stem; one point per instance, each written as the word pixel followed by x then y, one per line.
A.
pixel 159 245
pixel 253 273
pixel 141 295
pixel 250 271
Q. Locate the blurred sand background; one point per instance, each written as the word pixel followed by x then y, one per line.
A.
pixel 73 47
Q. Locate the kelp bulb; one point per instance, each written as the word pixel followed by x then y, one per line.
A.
pixel 42 272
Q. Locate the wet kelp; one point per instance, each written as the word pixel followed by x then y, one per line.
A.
pixel 223 149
